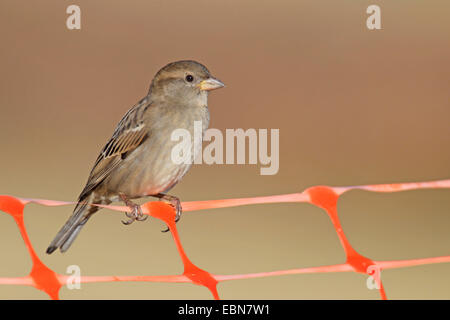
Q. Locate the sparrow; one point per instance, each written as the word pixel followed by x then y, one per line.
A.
pixel 137 161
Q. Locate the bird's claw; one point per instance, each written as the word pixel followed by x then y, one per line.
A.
pixel 177 206
pixel 142 218
pixel 135 214
pixel 129 214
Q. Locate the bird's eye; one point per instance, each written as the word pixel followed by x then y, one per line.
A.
pixel 189 78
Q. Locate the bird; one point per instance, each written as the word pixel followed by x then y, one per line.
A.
pixel 136 162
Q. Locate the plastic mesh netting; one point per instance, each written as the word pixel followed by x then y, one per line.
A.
pixel 43 278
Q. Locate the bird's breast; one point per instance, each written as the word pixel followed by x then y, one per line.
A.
pixel 151 168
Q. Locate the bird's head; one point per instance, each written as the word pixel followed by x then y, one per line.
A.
pixel 184 81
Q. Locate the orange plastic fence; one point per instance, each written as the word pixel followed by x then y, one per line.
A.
pixel 43 278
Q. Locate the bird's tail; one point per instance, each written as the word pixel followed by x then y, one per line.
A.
pixel 65 237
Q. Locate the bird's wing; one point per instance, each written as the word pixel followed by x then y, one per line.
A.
pixel 129 134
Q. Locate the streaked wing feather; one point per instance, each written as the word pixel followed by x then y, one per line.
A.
pixel 129 134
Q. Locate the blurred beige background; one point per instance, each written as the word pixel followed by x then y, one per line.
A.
pixel 353 107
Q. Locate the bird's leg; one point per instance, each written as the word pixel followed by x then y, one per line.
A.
pixel 136 211
pixel 174 201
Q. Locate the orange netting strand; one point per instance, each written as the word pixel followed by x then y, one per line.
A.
pixel 43 278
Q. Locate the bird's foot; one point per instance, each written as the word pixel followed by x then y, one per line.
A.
pixel 175 203
pixel 135 215
pixel 136 211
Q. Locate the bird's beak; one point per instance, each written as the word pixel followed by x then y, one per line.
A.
pixel 210 84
